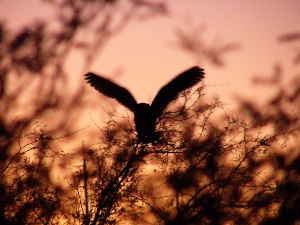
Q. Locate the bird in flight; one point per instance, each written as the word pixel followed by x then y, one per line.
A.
pixel 145 115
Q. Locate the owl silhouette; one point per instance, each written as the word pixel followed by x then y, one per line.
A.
pixel 145 115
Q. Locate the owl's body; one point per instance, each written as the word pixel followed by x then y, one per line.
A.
pixel 144 120
pixel 145 115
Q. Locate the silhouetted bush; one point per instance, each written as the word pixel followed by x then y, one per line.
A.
pixel 211 166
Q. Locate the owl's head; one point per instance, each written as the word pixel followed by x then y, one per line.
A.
pixel 142 108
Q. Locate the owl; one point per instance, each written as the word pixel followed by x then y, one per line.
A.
pixel 145 115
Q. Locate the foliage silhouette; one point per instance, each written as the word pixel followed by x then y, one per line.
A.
pixel 32 73
pixel 212 166
pixel 190 39
pixel 292 37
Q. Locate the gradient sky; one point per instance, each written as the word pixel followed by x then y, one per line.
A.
pixel 147 52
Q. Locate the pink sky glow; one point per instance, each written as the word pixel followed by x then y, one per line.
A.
pixel 147 54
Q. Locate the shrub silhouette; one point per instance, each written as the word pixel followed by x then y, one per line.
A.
pixel 213 167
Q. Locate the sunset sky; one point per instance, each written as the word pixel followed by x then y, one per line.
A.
pixel 146 50
pixel 72 153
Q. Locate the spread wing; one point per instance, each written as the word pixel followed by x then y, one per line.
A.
pixel 111 90
pixel 170 91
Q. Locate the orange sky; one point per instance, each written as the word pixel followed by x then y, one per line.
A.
pixel 146 50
